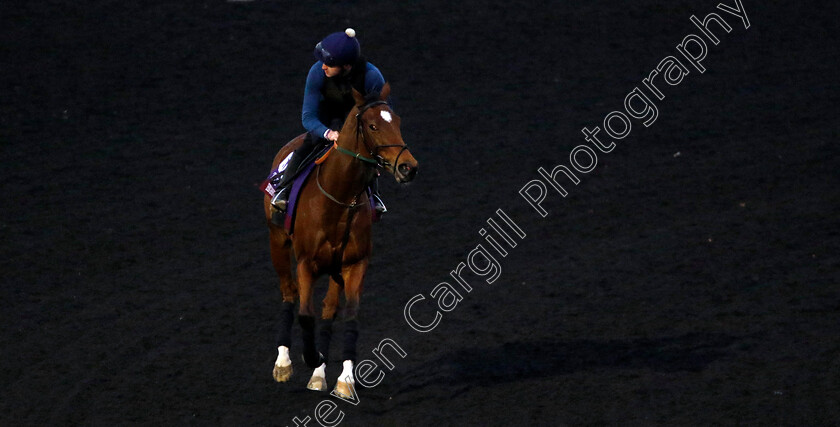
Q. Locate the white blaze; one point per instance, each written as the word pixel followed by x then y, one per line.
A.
pixel 386 116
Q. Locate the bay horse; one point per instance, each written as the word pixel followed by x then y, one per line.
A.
pixel 332 235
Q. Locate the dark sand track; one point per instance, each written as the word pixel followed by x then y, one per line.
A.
pixel 690 279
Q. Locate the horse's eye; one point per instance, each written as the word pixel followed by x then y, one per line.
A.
pixel 372 126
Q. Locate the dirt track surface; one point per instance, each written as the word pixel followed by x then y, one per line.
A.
pixel 690 278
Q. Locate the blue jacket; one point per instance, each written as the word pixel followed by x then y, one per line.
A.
pixel 313 96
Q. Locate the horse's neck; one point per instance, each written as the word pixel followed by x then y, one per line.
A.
pixel 342 175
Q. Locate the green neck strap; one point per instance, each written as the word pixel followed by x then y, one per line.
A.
pixel 354 155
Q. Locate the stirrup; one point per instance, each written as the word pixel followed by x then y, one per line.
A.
pixel 378 205
pixel 279 201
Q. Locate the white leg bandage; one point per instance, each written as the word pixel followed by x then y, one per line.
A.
pixel 283 356
pixel 347 372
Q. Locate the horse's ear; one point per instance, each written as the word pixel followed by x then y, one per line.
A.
pixel 385 92
pixel 360 100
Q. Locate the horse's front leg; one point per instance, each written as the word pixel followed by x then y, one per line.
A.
pixel 353 276
pixel 306 315
pixel 318 381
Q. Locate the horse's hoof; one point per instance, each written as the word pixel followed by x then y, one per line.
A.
pixel 282 373
pixel 317 383
pixel 344 391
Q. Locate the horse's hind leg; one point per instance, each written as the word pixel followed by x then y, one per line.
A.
pixel 353 276
pixel 281 259
pixel 318 381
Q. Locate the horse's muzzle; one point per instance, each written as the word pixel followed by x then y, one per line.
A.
pixel 406 172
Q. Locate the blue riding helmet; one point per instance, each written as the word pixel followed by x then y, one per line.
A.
pixel 338 49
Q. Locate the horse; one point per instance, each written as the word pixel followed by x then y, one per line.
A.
pixel 332 235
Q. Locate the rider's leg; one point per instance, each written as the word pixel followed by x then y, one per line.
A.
pixel 281 198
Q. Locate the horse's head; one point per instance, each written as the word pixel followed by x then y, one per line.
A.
pixel 379 129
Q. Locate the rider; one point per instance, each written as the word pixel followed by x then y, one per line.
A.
pixel 328 98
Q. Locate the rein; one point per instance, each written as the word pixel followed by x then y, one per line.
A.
pixel 352 205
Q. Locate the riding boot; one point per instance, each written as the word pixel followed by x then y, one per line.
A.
pixel 281 197
pixel 378 204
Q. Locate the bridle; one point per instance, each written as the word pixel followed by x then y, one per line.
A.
pixel 376 161
pixel 360 133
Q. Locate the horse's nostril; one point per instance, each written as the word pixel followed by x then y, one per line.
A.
pixel 407 171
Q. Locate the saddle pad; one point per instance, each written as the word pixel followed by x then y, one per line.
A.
pixel 269 185
pixel 294 194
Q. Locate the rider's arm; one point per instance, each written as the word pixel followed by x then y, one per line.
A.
pixel 311 100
